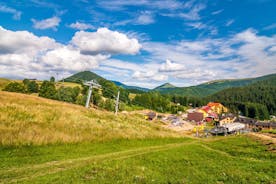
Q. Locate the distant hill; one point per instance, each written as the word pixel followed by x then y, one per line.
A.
pixel 164 87
pixel 130 87
pixel 110 89
pixel 261 92
pixel 209 88
pixel 84 76
pixel 201 90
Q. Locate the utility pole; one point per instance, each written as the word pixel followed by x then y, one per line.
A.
pixel 117 103
pixel 91 84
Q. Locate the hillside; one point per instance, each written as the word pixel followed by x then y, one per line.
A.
pixel 45 141
pixel 130 87
pixel 260 92
pixel 4 82
pixel 164 87
pixel 109 89
pixel 27 119
pixel 211 87
pixel 84 76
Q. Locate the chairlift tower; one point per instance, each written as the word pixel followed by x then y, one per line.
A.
pixel 92 84
pixel 117 103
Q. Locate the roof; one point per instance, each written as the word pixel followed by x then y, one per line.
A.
pixel 212 104
pixel 206 108
pixel 151 114
pixel 212 114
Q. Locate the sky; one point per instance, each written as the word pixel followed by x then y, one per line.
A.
pixel 143 43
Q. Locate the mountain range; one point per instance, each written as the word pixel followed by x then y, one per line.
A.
pixel 200 90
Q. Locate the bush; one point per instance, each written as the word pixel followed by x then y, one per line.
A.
pixel 32 87
pixel 48 90
pixel 15 87
pixel 67 94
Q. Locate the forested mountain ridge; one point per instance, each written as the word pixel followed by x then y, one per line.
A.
pixel 245 99
pixel 131 88
pixel 211 87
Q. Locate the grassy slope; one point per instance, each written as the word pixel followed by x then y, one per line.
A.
pixel 3 82
pixel 45 141
pixel 217 160
pixel 29 119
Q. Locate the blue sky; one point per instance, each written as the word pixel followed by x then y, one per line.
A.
pixel 144 43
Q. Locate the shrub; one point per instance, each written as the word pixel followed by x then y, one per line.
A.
pixel 15 87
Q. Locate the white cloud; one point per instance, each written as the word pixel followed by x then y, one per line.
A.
pixel 229 22
pixel 217 12
pixel 105 41
pixel 20 42
pixel 81 26
pixel 197 25
pixel 24 54
pixel 16 13
pixel 269 27
pixel 118 5
pixel 247 36
pixel 145 18
pixel 148 76
pixel 52 23
pixel 243 55
pixel 191 13
pixel 169 66
pixel 272 49
pixel 70 59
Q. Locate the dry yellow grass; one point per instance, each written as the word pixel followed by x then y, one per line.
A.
pixel 4 82
pixel 67 84
pixel 26 119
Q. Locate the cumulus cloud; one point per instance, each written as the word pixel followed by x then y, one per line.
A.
pixel 81 26
pixel 23 54
pixel 16 14
pixel 20 42
pixel 272 49
pixel 149 75
pixel 245 54
pixel 105 41
pixel 171 67
pixel 50 23
pixel 70 59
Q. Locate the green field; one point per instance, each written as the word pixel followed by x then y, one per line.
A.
pixel 46 141
pixel 165 160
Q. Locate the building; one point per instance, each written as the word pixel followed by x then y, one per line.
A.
pixel 227 120
pixel 150 116
pixel 195 116
pixel 217 107
pixel 211 117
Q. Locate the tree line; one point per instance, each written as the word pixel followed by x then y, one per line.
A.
pixel 257 100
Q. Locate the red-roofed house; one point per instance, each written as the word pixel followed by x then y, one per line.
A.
pixel 217 107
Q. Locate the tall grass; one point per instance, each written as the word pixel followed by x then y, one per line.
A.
pixel 4 82
pixel 31 120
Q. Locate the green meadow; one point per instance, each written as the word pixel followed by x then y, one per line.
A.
pixel 237 159
pixel 45 141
